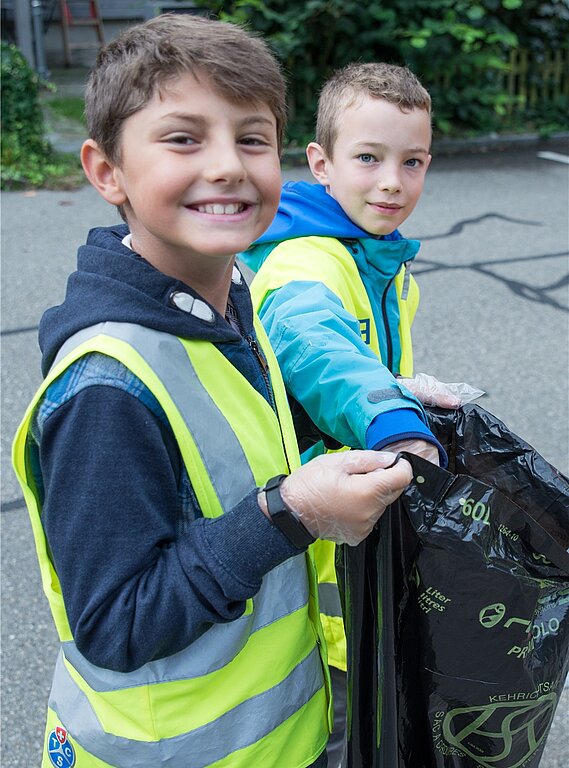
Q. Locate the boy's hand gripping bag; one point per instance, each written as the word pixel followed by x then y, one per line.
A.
pixel 457 608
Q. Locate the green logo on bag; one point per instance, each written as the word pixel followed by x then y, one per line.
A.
pixel 476 510
pixel 501 735
pixel 492 615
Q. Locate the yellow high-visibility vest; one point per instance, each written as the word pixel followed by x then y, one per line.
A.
pixel 326 260
pixel 251 692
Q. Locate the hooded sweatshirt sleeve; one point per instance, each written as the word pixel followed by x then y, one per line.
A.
pixel 142 574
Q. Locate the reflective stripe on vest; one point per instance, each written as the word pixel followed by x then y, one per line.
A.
pixel 331 263
pixel 329 600
pixel 238 687
pixel 214 649
pixel 247 723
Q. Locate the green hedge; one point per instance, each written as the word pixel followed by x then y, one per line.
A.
pixel 459 48
pixel 28 160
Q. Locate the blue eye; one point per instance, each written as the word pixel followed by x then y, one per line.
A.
pixel 413 163
pixel 366 158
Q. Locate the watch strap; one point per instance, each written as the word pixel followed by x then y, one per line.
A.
pixel 283 517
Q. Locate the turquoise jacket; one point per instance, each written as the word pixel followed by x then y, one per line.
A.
pixel 330 372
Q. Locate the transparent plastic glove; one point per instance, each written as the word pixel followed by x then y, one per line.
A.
pixel 341 496
pixel 421 448
pixel 431 391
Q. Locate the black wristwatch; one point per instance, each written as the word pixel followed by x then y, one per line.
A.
pixel 283 517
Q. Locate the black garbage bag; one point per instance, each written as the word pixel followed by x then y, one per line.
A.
pixel 457 608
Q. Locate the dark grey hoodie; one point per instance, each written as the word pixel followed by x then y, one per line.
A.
pixel 143 574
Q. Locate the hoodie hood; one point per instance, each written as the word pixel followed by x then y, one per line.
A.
pixel 112 283
pixel 307 210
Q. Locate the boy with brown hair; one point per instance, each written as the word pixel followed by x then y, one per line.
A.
pixel 158 459
pixel 334 291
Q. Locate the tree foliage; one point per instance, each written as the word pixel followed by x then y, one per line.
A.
pixel 27 158
pixel 22 118
pixel 458 48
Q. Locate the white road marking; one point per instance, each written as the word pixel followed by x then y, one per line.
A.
pixel 554 156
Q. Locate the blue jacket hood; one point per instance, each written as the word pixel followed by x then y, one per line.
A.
pixel 300 214
pixel 113 283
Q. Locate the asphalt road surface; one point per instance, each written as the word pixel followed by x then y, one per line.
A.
pixel 494 278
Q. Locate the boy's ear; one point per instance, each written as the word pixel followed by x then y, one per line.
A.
pixel 318 162
pixel 103 175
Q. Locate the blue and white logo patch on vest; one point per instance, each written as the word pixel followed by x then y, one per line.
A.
pixel 59 749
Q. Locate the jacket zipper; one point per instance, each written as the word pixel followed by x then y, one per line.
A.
pixel 404 294
pixel 254 347
pixel 388 339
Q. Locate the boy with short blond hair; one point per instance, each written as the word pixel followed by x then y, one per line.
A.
pixel 333 268
pixel 158 459
pixel 396 85
pixel 334 291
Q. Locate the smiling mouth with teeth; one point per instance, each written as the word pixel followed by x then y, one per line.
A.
pixel 219 208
